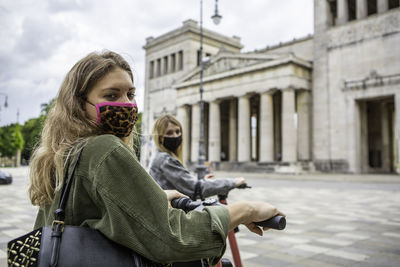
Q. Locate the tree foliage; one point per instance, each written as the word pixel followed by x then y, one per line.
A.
pixel 25 137
pixel 10 140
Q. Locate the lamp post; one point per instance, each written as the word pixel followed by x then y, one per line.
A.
pixel 5 102
pixel 201 168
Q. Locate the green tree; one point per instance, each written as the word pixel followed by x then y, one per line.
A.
pixel 5 142
pixel 10 139
pixel 18 140
pixel 32 130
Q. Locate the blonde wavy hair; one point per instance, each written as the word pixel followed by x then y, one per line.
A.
pixel 67 126
pixel 159 130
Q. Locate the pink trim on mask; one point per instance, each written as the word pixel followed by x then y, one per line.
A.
pixel 119 104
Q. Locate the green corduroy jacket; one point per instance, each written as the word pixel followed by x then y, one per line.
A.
pixel 112 193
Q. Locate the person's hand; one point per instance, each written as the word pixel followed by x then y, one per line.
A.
pixel 209 176
pixel 261 211
pixel 249 212
pixel 172 194
pixel 239 181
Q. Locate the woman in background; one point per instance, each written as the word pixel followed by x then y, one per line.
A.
pixel 168 169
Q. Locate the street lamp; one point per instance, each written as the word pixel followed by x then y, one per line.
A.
pixel 216 17
pixel 201 168
pixel 5 102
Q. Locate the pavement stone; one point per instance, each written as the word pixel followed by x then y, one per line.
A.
pixel 332 219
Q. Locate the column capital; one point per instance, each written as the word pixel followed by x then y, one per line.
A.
pixel 289 89
pixel 269 92
pixel 247 95
pixel 217 100
pixel 196 103
pixel 185 106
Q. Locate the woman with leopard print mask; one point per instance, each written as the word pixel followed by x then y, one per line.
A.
pixel 96 110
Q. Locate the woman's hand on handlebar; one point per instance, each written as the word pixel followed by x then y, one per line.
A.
pixel 172 194
pixel 240 181
pixel 262 211
pixel 248 212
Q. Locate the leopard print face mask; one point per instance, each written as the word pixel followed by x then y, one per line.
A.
pixel 116 118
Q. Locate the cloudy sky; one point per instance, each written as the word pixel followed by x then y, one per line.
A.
pixel 41 40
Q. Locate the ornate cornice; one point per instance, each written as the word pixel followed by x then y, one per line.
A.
pixel 373 80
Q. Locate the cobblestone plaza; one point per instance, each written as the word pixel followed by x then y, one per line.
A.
pixel 332 220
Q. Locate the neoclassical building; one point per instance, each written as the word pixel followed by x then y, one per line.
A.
pixel 328 102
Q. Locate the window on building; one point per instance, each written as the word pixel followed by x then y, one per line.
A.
pixel 180 60
pixel 151 69
pixel 372 7
pixel 333 12
pixel 394 4
pixel 173 63
pixel 165 65
pixel 158 72
pixel 352 9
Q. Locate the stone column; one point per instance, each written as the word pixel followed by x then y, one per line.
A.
pixel 173 62
pixel 232 131
pixel 362 9
pixel 183 118
pixel 383 6
pixel 289 131
pixel 396 126
pixel 353 134
pixel 364 166
pixel 385 137
pixel 303 125
pixel 162 72
pixel 244 129
pixel 342 11
pixel 195 132
pixel 214 133
pixel 266 128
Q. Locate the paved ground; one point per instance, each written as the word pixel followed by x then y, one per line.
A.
pixel 332 220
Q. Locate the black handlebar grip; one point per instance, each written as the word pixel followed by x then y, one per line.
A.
pixel 185 204
pixel 179 203
pixel 277 222
pixel 243 186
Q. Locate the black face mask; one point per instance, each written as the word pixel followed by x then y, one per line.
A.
pixel 172 143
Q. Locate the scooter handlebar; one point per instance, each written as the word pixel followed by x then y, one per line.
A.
pixel 277 222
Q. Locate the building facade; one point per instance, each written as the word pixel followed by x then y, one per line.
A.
pixel 329 102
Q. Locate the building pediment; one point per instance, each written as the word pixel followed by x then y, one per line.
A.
pixel 225 62
pixel 228 64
